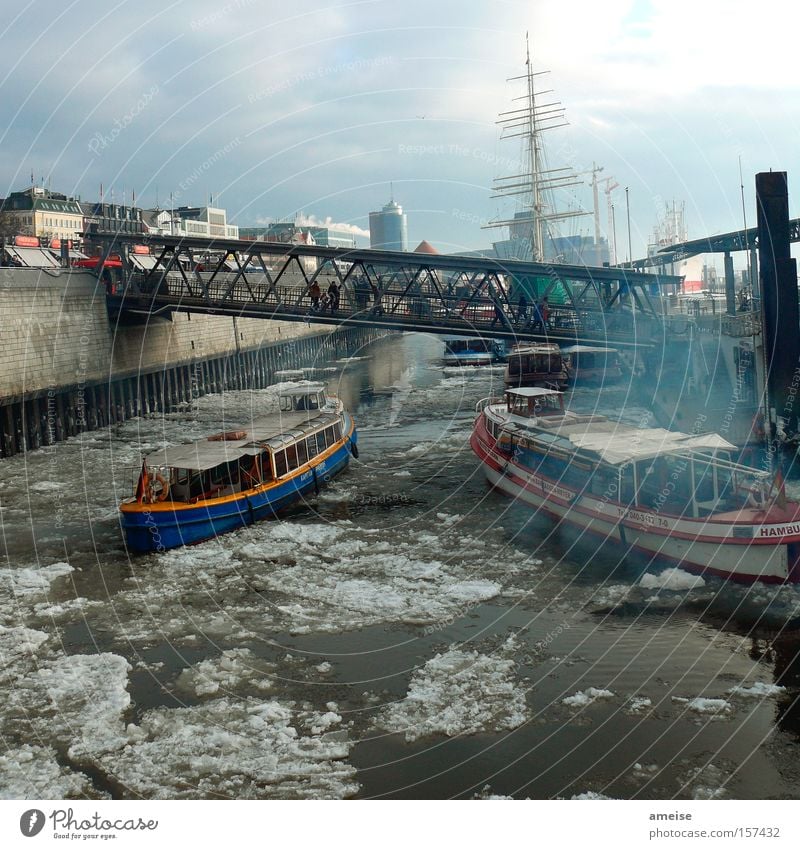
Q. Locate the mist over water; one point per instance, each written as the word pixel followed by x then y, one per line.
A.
pixel 408 633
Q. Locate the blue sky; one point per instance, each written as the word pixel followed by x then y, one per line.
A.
pixel 275 108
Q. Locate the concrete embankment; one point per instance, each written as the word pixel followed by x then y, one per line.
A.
pixel 66 368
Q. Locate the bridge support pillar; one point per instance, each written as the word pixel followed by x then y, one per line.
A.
pixel 730 285
pixel 780 311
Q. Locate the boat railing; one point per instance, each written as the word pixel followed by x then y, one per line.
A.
pixel 487 402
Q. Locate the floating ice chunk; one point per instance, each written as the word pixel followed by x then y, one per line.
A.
pixel 403 474
pixel 590 795
pixel 231 748
pixel 485 794
pixel 32 772
pixel 318 723
pixel 699 704
pixel 671 579
pixel 758 690
pixel 18 646
pixel 230 671
pixel 586 697
pixel 638 704
pixel 78 700
pixel 458 693
pixel 35 579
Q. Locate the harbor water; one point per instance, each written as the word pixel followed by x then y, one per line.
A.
pixel 408 633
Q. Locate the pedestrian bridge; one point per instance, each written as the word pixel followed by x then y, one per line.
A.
pixel 441 294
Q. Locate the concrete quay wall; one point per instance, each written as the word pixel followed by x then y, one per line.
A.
pixel 65 368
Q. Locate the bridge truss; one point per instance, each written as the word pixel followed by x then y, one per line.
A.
pixel 444 294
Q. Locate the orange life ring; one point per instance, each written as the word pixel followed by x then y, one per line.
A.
pixel 161 496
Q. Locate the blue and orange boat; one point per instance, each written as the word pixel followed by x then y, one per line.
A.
pixel 194 492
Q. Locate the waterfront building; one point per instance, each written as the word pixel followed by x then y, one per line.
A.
pixel 388 229
pixel 39 212
pixel 333 237
pixel 200 221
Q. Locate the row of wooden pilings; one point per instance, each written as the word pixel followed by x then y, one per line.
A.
pixel 60 412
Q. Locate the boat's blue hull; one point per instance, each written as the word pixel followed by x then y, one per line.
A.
pixel 160 527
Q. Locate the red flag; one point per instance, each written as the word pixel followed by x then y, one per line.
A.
pixel 779 485
pixel 141 487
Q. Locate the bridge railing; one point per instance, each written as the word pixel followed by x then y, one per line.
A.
pixel 448 312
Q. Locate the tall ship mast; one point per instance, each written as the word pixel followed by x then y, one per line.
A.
pixel 536 183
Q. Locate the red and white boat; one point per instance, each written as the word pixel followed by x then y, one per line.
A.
pixel 676 497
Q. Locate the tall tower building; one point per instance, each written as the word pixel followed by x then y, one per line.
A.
pixel 388 230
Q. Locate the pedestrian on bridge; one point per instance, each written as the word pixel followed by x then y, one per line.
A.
pixel 334 295
pixel 522 309
pixel 377 309
pixel 499 315
pixel 315 293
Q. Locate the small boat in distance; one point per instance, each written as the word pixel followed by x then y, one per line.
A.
pixel 536 365
pixel 196 491
pixel 592 364
pixel 676 497
pixel 472 351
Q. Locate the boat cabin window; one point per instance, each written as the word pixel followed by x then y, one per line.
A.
pixel 302 401
pixel 226 474
pixel 311 445
pixel 280 463
pixel 302 452
pixel 533 405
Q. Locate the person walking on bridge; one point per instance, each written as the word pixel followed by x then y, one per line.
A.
pixel 315 293
pixel 333 294
pixel 522 309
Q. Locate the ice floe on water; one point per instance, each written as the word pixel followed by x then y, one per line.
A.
pixel 759 690
pixel 33 772
pixel 297 577
pixel 230 748
pixel 232 670
pixel 587 697
pixel 79 700
pixel 712 708
pixel 33 579
pixel 672 579
pixel 458 692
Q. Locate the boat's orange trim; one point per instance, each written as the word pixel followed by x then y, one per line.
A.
pixel 132 506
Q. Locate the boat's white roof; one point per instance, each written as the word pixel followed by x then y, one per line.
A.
pixel 274 430
pixel 534 348
pixel 623 445
pixel 588 349
pixel 302 389
pixel 532 391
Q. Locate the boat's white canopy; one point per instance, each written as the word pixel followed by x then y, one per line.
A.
pixel 275 431
pixel 588 349
pixel 202 455
pixel 532 392
pixel 302 389
pixel 624 446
